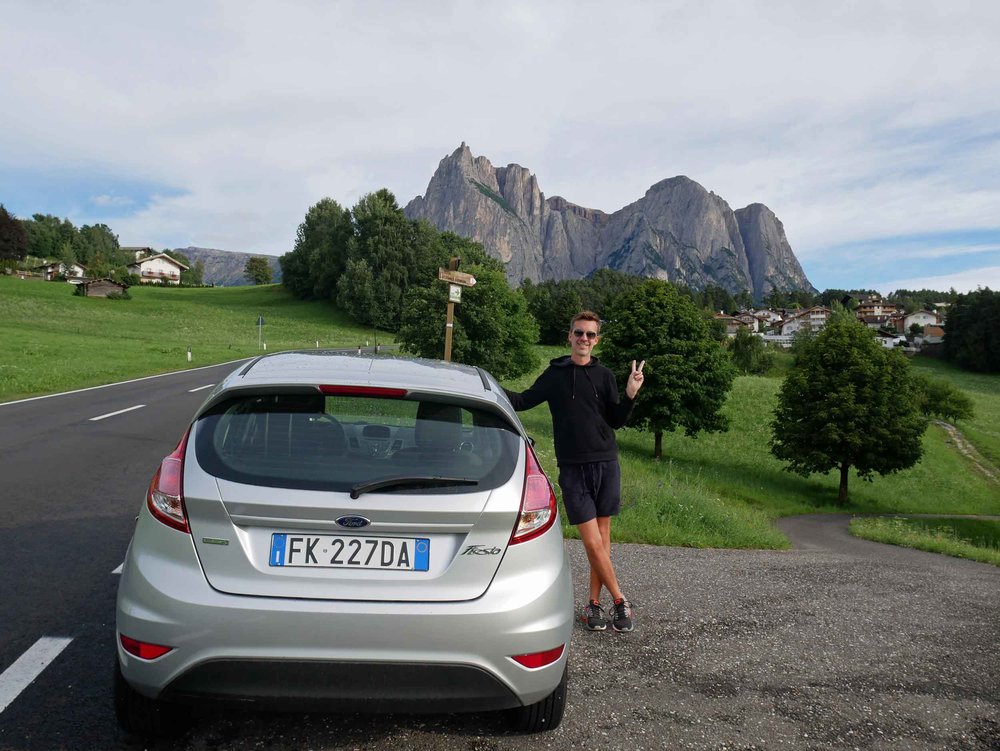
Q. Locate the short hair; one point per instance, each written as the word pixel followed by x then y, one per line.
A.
pixel 586 315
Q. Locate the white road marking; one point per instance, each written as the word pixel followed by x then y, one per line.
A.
pixel 119 383
pixel 119 412
pixel 119 569
pixel 201 388
pixel 29 666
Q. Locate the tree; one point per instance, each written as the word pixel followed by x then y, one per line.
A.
pixel 941 399
pixel 971 327
pixel 749 353
pixel 257 270
pixel 94 240
pixel 552 304
pixel 195 273
pixel 688 374
pixel 493 328
pixel 13 239
pixel 47 234
pixel 388 243
pixel 848 403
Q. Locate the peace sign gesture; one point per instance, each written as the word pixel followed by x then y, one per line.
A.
pixel 635 379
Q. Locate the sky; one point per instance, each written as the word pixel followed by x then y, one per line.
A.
pixel 871 128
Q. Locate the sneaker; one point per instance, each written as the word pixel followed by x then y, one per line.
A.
pixel 593 616
pixel 623 616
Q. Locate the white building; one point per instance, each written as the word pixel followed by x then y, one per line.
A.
pixel 157 269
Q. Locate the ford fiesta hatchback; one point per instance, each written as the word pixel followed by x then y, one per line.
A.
pixel 347 533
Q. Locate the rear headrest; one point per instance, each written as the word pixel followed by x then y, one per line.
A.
pixel 439 426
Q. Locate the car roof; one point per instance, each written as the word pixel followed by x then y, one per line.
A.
pixel 315 367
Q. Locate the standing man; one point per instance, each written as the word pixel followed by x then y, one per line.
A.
pixel 586 409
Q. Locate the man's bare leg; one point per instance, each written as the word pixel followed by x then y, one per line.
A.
pixel 596 536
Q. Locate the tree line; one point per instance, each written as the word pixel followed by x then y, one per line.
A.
pixel 49 239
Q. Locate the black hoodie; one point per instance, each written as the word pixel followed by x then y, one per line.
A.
pixel 585 406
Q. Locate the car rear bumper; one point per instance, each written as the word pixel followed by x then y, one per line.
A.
pixel 298 653
pixel 304 685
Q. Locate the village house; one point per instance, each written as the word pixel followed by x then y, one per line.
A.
pixel 873 306
pixel 54 269
pixel 812 319
pixel 732 324
pixel 749 320
pixel 921 318
pixel 155 268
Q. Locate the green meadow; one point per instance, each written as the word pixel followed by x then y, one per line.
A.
pixel 715 490
pixel 52 340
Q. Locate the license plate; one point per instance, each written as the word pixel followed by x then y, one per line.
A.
pixel 347 551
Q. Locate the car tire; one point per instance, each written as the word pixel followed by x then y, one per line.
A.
pixel 545 714
pixel 141 716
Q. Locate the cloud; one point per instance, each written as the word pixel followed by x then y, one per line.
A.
pixel 965 281
pixel 106 200
pixel 853 122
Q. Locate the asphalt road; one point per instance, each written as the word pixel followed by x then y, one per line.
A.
pixel 837 644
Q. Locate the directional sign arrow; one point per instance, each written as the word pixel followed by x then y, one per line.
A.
pixel 456 277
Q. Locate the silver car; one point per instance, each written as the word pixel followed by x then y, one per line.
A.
pixel 347 533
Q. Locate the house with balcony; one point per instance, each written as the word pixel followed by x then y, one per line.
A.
pixel 812 319
pixel 158 268
pixel 875 306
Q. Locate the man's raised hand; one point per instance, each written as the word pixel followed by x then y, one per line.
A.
pixel 635 379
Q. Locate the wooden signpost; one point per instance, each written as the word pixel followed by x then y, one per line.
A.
pixel 456 280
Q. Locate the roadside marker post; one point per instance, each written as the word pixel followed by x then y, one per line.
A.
pixel 456 280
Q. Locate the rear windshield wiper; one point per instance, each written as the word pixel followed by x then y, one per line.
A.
pixel 418 481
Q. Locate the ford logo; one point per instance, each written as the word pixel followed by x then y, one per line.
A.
pixel 353 522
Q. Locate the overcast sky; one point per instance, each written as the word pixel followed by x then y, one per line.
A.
pixel 872 129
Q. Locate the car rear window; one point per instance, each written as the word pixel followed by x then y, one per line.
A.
pixel 312 441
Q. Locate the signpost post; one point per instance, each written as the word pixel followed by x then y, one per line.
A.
pixel 260 331
pixel 456 280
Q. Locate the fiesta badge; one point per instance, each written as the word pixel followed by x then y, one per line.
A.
pixel 353 522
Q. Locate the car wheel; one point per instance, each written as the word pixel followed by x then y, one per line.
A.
pixel 545 714
pixel 141 716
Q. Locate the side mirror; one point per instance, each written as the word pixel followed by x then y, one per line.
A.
pixel 531 441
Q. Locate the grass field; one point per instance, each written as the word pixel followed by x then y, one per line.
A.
pixel 717 490
pixel 725 489
pixel 983 430
pixel 975 539
pixel 51 340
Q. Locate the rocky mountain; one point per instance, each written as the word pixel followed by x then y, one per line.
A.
pixel 224 268
pixel 678 231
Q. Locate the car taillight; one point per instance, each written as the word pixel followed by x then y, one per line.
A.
pixel 165 496
pixel 538 502
pixel 145 650
pixel 539 659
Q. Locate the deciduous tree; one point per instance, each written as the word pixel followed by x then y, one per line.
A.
pixel 971 327
pixel 13 238
pixel 493 328
pixel 688 374
pixel 257 270
pixel 848 403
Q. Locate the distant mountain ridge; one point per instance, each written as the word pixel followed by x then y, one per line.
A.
pixel 678 231
pixel 224 268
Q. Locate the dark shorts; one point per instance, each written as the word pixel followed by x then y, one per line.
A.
pixel 590 490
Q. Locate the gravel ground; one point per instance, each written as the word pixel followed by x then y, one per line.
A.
pixel 837 644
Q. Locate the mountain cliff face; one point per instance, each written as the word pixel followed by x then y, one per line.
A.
pixel 224 268
pixel 678 231
pixel 773 265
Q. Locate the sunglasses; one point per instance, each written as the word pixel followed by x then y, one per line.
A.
pixel 580 332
